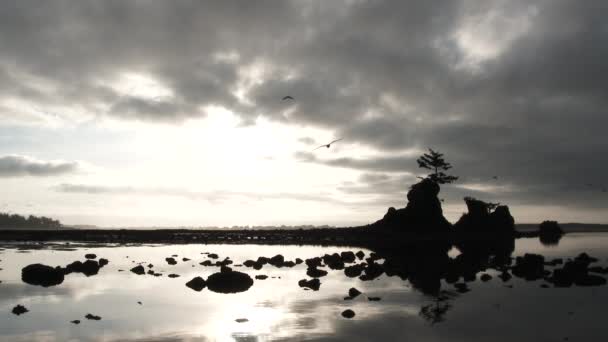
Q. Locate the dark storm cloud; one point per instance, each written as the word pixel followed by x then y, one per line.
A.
pixel 392 76
pixel 15 166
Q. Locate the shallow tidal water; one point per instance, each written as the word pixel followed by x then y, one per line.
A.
pixel 277 309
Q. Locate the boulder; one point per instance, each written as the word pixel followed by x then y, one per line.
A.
pixel 139 270
pixel 422 214
pixel 313 284
pixel 197 284
pixel 229 282
pixel 42 275
pixel 19 310
pixel 353 292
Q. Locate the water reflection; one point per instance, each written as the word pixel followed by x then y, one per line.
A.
pixel 421 286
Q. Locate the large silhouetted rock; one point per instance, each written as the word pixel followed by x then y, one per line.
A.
pixel 423 212
pixel 42 275
pixel 480 218
pixel 229 282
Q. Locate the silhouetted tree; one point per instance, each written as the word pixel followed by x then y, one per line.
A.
pixel 434 161
pixel 18 221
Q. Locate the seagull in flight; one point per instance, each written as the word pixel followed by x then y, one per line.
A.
pixel 327 145
pixel 287 98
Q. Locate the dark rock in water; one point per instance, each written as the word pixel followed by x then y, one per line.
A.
pixel 229 282
pixel 212 256
pixel 590 280
pixel 19 310
pixel 480 218
pixel 314 262
pixel 550 232
pixel 347 257
pixel 173 275
pixel 206 263
pixel 224 269
pixel 42 275
pixel 333 261
pixel 485 277
pixel 529 267
pixel 241 320
pixel 197 284
pixel 372 271
pixel 315 272
pixel 360 255
pixel 150 265
pixel 151 272
pixel 261 277
pixel 139 270
pixel 353 271
pixel 90 267
pixel 185 259
pixel 139 303
pixel 373 299
pixel 423 212
pixel 76 321
pixel 348 313
pixel 299 261
pixel 313 284
pixel 90 256
pixel 353 292
pixel 289 264
pixel 171 261
pixel 598 269
pixel 103 262
pixel 277 260
pixel 92 317
pixel 157 274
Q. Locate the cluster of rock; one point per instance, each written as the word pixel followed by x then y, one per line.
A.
pixel 423 214
pixel 45 276
pixel 225 281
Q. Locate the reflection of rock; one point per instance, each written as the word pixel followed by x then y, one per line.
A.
pixel 423 212
pixel 550 233
pixel 576 272
pixel 197 284
pixel 42 275
pixel 313 284
pixel 348 313
pixel 229 282
pixel 314 272
pixel 19 310
pixel 139 270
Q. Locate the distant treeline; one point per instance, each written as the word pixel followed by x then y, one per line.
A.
pixel 18 221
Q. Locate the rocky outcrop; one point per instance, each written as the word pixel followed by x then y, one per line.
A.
pixel 485 217
pixel 422 214
pixel 42 275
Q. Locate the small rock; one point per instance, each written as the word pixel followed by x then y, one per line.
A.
pixel 90 256
pixel 353 292
pixel 212 256
pixel 313 284
pixel 92 317
pixel 76 321
pixel 485 277
pixel 171 261
pixel 173 275
pixel 261 277
pixel 197 284
pixel 241 320
pixel 373 299
pixel 139 270
pixel 348 313
pixel 185 259
pixel 19 310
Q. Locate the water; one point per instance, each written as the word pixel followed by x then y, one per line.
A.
pixel 277 309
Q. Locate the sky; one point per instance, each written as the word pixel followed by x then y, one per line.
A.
pixel 169 113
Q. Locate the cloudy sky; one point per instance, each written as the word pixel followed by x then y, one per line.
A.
pixel 152 113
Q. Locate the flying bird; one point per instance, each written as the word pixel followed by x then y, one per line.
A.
pixel 327 145
pixel 287 98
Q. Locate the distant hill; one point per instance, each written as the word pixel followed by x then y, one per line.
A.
pixel 567 227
